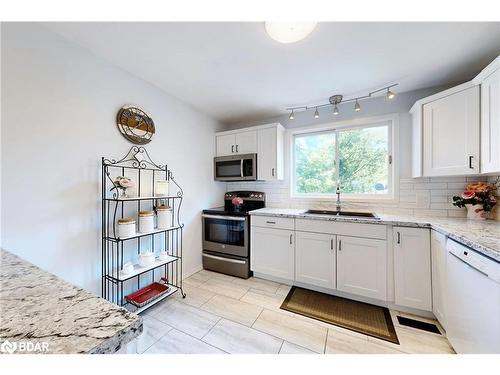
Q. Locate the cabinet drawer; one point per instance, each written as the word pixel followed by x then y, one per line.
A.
pixel 376 231
pixel 272 222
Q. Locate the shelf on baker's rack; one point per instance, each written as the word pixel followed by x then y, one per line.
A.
pixel 133 199
pixel 142 234
pixel 139 270
pixel 137 310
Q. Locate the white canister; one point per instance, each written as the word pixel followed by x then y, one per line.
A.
pixel 146 221
pixel 161 188
pixel 126 227
pixel 164 217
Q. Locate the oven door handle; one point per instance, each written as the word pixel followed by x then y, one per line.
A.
pixel 225 259
pixel 235 218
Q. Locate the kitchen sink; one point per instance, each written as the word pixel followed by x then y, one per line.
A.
pixel 341 213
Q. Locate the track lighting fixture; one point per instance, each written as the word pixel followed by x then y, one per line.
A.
pixel 357 107
pixel 335 100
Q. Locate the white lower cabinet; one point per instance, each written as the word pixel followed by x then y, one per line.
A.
pixel 362 266
pixel 272 252
pixel 412 268
pixel 315 259
pixel 438 262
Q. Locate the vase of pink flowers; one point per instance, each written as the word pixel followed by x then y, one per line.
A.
pixel 478 198
pixel 237 202
pixel 124 186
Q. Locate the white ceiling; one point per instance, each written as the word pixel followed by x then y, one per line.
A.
pixel 235 72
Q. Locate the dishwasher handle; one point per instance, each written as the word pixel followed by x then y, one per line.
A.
pixel 468 263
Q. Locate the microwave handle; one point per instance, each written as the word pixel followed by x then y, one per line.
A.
pixel 241 168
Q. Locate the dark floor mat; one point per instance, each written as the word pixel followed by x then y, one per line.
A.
pixel 357 316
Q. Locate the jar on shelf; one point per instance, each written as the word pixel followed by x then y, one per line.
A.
pixel 164 216
pixel 126 227
pixel 146 221
pixel 161 188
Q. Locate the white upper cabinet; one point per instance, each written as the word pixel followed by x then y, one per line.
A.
pixel 241 142
pixel 451 134
pixel 246 142
pixel 490 118
pixel 315 259
pixel 457 132
pixel 265 140
pixel 225 144
pixel 412 268
pixel 270 164
pixel 362 266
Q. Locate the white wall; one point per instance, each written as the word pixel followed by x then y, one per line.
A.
pixel 58 118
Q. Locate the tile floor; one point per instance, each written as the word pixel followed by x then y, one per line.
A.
pixel 224 314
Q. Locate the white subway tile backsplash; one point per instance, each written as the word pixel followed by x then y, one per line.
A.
pixel 419 196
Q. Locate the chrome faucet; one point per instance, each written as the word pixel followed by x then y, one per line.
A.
pixel 338 206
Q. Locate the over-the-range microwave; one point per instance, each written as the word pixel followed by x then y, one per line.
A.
pixel 235 167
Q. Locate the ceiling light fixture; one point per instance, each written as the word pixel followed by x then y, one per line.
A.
pixel 289 32
pixel 335 100
pixel 390 94
pixel 357 107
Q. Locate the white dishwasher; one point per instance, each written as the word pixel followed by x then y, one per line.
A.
pixel 473 300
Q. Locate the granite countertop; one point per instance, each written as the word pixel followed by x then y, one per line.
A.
pixel 41 310
pixel 482 236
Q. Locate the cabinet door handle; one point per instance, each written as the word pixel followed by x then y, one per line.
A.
pixel 236 148
pixel 340 245
pixel 470 162
pixel 331 244
pixel 291 235
pixel 272 172
pixel 270 222
pixel 232 148
pixel 399 238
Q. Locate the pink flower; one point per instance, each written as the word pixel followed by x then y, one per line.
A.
pixel 126 183
pixel 237 201
pixel 493 199
pixel 468 194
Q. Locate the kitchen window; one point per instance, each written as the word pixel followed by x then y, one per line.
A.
pixel 358 158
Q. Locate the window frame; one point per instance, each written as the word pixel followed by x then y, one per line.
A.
pixel 392 122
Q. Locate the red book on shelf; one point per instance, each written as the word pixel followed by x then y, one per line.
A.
pixel 147 294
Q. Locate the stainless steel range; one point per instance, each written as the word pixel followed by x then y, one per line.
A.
pixel 226 233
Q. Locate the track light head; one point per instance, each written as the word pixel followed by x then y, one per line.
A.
pixel 357 107
pixel 316 113
pixel 291 117
pixel 335 110
pixel 390 94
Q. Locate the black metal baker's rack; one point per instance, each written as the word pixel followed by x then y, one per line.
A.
pixel 115 284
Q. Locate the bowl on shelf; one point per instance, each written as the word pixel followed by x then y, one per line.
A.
pixel 147 259
pixel 127 268
pixel 163 255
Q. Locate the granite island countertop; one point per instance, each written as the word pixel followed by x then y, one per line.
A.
pixel 39 308
pixel 482 236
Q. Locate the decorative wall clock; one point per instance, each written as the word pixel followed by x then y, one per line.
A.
pixel 135 125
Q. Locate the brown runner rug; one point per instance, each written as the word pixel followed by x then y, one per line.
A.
pixel 357 316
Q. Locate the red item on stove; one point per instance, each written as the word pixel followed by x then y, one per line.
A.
pixel 147 294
